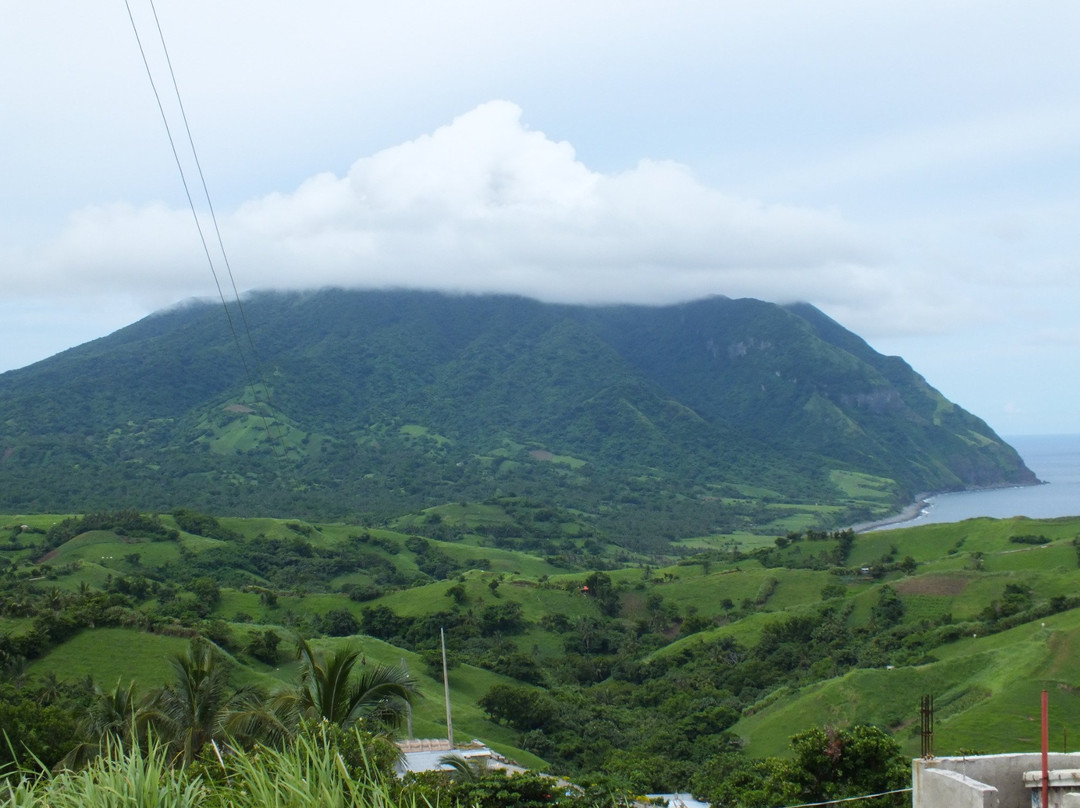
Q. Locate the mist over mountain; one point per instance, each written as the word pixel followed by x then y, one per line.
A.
pixel 652 422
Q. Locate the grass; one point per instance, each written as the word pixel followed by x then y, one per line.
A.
pixel 987 694
pixel 105 548
pixel 108 654
pixel 417 432
pixel 306 774
pixel 131 778
pixel 111 654
pixel 984 686
pixel 745 632
pixel 508 561
pixel 858 486
pixel 742 540
pixel 887 698
pixel 15 626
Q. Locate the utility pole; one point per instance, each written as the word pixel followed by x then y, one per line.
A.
pixel 446 690
pixel 408 706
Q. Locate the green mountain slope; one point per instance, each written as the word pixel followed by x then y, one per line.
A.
pixel 378 403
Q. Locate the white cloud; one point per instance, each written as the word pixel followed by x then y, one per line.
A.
pixel 973 144
pixel 906 166
pixel 483 204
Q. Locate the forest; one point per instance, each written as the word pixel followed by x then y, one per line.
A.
pixel 727 669
pixel 641 424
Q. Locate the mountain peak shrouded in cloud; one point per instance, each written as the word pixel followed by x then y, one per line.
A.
pixel 881 161
pixel 393 401
pixel 483 204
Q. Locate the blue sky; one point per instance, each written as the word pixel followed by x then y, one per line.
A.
pixel 909 167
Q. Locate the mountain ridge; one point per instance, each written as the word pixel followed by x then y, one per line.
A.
pixel 384 402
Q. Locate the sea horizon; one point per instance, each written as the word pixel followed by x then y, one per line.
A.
pixel 1054 459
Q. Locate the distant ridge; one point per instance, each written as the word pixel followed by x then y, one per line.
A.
pixel 389 401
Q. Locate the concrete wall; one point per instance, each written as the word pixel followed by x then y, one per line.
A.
pixel 941 787
pixel 984 781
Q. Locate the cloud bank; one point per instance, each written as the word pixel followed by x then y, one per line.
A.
pixel 483 204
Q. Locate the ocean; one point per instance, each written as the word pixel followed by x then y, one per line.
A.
pixel 1055 459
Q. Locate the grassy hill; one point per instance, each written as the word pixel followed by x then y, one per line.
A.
pixel 596 663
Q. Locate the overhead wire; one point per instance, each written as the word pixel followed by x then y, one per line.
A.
pixel 277 442
pixel 840 800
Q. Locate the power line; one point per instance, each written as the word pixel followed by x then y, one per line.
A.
pixel 849 799
pixel 278 442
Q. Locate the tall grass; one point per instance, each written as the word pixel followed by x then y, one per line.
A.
pixel 308 774
pixel 131 779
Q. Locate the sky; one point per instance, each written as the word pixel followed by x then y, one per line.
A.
pixel 910 168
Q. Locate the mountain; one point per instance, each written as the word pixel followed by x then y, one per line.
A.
pixel 646 422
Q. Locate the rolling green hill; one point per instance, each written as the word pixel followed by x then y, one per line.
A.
pixel 573 660
pixel 639 425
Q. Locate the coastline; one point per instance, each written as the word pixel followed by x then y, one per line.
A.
pixel 908 513
pixel 922 502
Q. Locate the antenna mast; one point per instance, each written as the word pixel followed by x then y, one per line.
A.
pixel 446 690
pixel 408 706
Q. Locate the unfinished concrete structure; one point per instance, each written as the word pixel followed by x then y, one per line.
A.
pixel 992 781
pixel 426 754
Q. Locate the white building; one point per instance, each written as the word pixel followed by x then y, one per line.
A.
pixel 995 781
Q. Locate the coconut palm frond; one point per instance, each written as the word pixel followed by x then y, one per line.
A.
pixel 199 705
pixel 467 770
pixel 328 689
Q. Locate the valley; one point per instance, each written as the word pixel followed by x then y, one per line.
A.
pixel 630 523
pixel 577 656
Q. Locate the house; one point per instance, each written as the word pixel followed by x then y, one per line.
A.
pixel 676 800
pixel 426 754
pixel 995 781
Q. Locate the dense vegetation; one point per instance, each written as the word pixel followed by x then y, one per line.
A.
pixel 627 676
pixel 647 424
pixel 627 523
pixel 326 766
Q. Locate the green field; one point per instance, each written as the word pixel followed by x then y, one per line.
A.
pixel 951 581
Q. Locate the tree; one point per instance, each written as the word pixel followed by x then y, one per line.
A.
pixel 832 764
pixel 263 645
pixel 641 771
pixel 458 594
pixel 339 623
pixel 496 788
pixel 502 618
pixel 205 590
pixel 116 718
pixel 463 770
pixel 31 733
pixel 328 691
pixel 829 764
pixel 523 708
pixel 1015 599
pixel 889 609
pixel 199 705
pixel 598 585
pixel 830 591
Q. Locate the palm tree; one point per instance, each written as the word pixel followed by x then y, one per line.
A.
pixel 464 770
pixel 115 720
pixel 328 691
pixel 116 713
pixel 50 690
pixel 200 706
